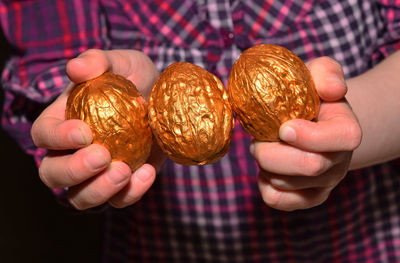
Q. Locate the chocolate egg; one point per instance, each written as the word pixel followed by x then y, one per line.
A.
pixel 117 115
pixel 190 115
pixel 269 85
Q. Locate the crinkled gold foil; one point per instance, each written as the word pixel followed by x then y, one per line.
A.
pixel 117 115
pixel 269 85
pixel 190 114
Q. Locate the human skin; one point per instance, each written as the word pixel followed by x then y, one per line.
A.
pixel 313 157
pixel 92 179
pixel 375 98
pixel 320 152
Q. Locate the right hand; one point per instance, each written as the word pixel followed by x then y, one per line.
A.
pixel 75 163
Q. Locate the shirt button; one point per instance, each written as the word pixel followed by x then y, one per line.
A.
pixel 227 37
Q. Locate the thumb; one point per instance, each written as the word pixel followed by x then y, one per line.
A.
pixel 131 64
pixel 328 78
pixel 337 130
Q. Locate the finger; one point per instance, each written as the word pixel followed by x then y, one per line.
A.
pixel 51 131
pixel 291 200
pixel 336 130
pixel 64 170
pixel 140 182
pixel 133 65
pixel 100 188
pixel 281 158
pixel 56 134
pixel 328 179
pixel 88 65
pixel 328 77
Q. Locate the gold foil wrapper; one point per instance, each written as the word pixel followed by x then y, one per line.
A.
pixel 269 85
pixel 117 115
pixel 190 115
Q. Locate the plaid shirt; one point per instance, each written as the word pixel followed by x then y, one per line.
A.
pixel 215 213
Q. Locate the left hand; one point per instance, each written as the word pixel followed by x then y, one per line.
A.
pixel 313 157
pixel 73 162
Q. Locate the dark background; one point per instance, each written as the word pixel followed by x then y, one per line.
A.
pixel 33 226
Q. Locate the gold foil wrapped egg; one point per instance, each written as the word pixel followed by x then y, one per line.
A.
pixel 269 85
pixel 190 115
pixel 117 115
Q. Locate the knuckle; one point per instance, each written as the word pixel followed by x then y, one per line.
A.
pixel 315 197
pixel 77 205
pixel 333 182
pixel 44 175
pixel 71 176
pixel 118 204
pixel 261 156
pixel 305 200
pixel 87 200
pixel 321 198
pixel 354 135
pixel 312 165
pixel 44 136
pixel 135 200
pixel 257 151
pixel 125 201
pixel 35 134
pixel 115 204
pixel 272 197
pixel 328 180
pixel 95 197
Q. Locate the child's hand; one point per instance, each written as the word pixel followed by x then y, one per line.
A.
pixel 85 168
pixel 313 157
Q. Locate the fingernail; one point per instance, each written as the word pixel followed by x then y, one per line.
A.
pixel 287 134
pixel 95 159
pixel 119 174
pixel 77 136
pixel 142 175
